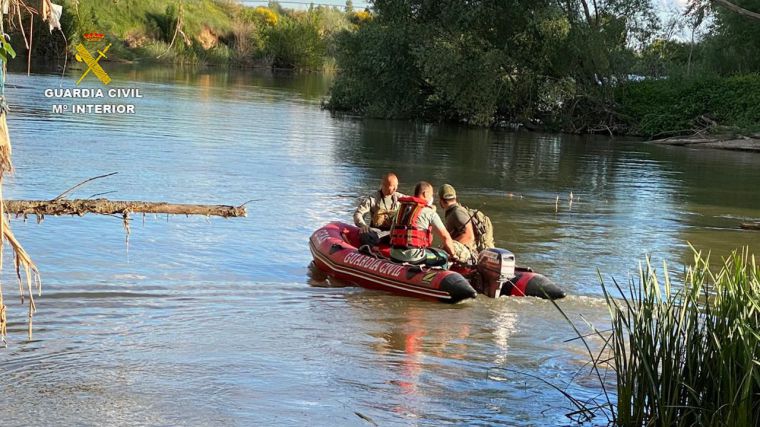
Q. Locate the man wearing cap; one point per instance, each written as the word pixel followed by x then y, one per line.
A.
pixel 458 223
pixel 382 206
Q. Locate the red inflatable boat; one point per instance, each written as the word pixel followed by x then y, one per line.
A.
pixel 336 253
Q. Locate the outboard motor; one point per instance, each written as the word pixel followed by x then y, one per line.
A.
pixel 500 277
pixel 495 266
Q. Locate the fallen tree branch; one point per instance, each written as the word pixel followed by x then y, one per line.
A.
pixel 112 207
pixel 751 225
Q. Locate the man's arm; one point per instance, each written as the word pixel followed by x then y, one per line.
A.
pixel 446 240
pixel 365 204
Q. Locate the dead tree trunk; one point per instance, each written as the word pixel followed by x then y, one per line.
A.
pixel 115 207
pixel 738 9
pixel 751 225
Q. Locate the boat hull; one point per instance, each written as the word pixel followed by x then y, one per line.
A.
pixel 335 254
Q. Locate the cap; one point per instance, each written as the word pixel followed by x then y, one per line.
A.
pixel 447 192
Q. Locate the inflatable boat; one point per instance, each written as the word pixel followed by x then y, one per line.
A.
pixel 337 253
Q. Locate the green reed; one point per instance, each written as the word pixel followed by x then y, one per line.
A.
pixel 685 353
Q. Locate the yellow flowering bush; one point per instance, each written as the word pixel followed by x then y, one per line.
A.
pixel 266 15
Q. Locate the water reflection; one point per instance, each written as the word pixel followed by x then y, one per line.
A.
pixel 213 321
pixel 505 325
pixel 229 82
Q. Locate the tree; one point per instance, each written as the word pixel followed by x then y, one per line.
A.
pixel 702 5
pixel 489 61
pixel 733 40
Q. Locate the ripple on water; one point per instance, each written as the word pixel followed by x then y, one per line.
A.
pixel 214 322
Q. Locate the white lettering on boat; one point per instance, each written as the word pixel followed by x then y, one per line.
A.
pixel 321 236
pixel 376 265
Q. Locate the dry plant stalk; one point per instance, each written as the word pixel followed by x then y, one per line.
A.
pixel 21 258
pixel 178 30
pixel 31 277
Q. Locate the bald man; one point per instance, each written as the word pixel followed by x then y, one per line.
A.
pixel 381 207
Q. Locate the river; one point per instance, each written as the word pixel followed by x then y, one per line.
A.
pixel 200 321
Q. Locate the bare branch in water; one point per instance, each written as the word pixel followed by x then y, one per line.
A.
pixel 60 196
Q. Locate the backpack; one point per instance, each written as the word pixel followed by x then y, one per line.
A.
pixel 483 228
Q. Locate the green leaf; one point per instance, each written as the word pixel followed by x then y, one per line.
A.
pixel 7 48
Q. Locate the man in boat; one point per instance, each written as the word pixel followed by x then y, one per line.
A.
pixel 411 233
pixel 458 223
pixel 381 207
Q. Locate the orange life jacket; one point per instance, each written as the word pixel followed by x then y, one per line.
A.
pixel 406 232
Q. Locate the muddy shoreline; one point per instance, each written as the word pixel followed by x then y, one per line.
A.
pixel 718 142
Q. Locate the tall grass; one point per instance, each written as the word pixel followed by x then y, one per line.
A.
pixel 685 353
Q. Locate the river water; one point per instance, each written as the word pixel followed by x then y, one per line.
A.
pixel 200 321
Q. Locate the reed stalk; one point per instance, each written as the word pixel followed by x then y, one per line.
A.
pixel 685 352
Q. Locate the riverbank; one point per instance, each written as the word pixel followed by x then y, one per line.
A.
pixel 203 32
pixel 559 71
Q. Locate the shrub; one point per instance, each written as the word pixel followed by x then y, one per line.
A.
pixel 295 43
pixel 377 74
pixel 682 105
pixel 265 15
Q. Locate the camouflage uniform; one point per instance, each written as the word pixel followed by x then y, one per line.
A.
pixel 381 209
pixel 466 254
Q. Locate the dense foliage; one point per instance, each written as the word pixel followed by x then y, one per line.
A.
pixel 657 108
pixel 606 66
pixel 732 40
pixel 199 31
